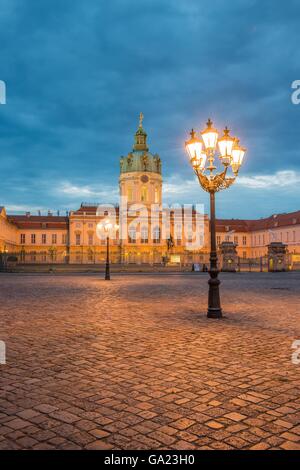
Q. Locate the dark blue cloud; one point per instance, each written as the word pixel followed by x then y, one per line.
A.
pixel 78 74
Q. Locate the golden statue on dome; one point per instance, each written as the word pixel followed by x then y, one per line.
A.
pixel 141 120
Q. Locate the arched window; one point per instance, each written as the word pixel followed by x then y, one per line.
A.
pixel 156 234
pixel 132 234
pixel 144 194
pixel 156 195
pixel 130 194
pixel 144 234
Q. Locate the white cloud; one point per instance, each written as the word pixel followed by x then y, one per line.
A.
pixel 282 179
pixel 86 191
pixel 176 185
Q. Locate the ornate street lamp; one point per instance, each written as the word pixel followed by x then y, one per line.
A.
pixel 202 158
pixel 107 226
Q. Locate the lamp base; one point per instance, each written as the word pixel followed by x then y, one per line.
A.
pixel 214 313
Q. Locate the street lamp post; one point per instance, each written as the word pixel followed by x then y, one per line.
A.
pixel 107 267
pixel 202 159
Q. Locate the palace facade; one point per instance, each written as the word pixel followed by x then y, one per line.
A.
pixel 76 238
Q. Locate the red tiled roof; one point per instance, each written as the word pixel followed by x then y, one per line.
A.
pixel 39 221
pixel 92 209
pixel 268 223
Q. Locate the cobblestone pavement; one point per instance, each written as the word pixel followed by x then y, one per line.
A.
pixel 135 364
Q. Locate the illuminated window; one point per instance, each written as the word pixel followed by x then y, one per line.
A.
pixel 156 195
pixel 132 234
pixel 144 194
pixel 156 235
pixel 77 239
pixel 130 194
pixel 144 235
pixel 90 240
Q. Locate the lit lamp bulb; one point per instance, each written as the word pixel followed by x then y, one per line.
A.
pixel 237 156
pixel 210 136
pixel 225 146
pixel 194 147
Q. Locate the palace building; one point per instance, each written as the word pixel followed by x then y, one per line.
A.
pixel 76 238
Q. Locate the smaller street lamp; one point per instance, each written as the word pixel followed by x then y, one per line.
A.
pixel 107 226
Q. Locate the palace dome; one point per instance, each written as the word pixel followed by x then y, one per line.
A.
pixel 140 159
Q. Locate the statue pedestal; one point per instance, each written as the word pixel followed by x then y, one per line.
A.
pixel 229 257
pixel 277 257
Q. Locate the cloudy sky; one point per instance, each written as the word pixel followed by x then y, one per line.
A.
pixel 79 73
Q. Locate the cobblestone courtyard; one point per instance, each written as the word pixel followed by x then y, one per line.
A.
pixel 135 364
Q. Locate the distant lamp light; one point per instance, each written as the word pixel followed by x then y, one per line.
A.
pixel 210 136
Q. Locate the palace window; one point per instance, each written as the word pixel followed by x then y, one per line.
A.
pixel 156 235
pixel 33 238
pixel 236 239
pixel 218 240
pixel 156 195
pixel 144 235
pixel 244 254
pixel 130 194
pixel 23 238
pixel 294 236
pixel 44 238
pixel 244 240
pixel 287 236
pixel 90 239
pixel 54 238
pixel 64 239
pixel 132 235
pixel 144 194
pixel 77 239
